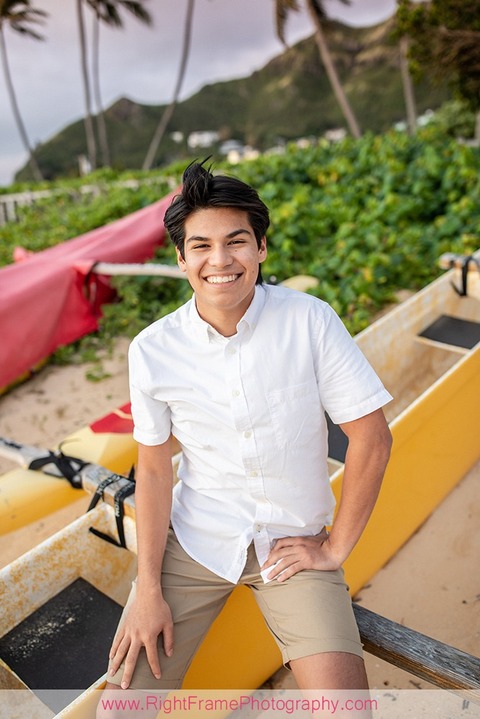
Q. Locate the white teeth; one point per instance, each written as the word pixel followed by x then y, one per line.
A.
pixel 217 280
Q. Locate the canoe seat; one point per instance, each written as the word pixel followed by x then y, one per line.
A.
pixel 452 331
pixel 64 643
pixel 337 441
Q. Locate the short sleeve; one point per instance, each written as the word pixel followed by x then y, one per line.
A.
pixel 151 416
pixel 348 385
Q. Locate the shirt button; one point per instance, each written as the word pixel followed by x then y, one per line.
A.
pixel 236 393
pixel 231 351
pixel 258 527
pixel 254 474
pixel 247 434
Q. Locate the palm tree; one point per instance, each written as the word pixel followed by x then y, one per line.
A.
pixel 108 11
pixel 318 16
pixel 19 14
pixel 88 121
pixel 167 115
pixel 407 84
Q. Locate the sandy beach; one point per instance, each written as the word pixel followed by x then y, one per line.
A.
pixel 431 585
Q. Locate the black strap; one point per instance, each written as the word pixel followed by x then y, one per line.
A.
pixel 101 489
pixel 465 263
pixel 118 501
pixel 69 467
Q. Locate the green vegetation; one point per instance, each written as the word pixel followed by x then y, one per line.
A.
pixel 369 217
pixel 366 217
pixel 75 209
pixel 444 40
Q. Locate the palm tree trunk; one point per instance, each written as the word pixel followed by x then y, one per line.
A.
pixel 162 126
pixel 16 110
pixel 408 87
pixel 101 125
pixel 89 131
pixel 332 73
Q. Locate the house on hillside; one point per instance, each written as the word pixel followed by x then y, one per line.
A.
pixel 202 138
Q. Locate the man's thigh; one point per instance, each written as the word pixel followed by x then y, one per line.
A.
pixel 310 613
pixel 195 597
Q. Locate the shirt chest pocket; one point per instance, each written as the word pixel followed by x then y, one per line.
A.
pixel 296 415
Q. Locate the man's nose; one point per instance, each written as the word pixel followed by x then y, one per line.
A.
pixel 220 256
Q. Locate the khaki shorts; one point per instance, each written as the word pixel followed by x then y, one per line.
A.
pixel 307 614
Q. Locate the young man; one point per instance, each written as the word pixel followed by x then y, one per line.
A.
pixel 242 375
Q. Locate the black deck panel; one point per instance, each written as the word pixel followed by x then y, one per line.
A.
pixel 64 644
pixel 453 331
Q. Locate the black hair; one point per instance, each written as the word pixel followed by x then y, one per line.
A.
pixel 201 190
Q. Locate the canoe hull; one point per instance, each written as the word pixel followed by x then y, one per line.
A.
pixel 434 421
pixel 27 495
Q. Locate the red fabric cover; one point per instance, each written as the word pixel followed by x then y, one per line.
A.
pixel 48 299
pixel 119 421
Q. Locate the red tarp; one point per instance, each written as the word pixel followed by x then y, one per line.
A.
pixel 49 299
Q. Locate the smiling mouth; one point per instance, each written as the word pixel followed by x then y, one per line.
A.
pixel 221 279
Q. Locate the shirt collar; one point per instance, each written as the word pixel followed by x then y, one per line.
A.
pixel 248 322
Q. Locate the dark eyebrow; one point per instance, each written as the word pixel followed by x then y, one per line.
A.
pixel 241 231
pixel 231 235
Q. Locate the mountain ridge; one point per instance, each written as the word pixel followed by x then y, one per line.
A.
pixel 289 97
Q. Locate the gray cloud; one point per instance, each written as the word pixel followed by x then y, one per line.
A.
pixel 231 38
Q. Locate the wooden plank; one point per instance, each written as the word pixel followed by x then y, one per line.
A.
pixel 144 269
pixel 438 663
pixel 441 345
pixel 450 259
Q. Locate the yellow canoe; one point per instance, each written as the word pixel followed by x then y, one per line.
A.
pixel 27 495
pixel 427 351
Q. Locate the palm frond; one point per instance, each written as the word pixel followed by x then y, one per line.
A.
pixel 20 18
pixel 282 9
pixel 108 11
pixel 138 10
pixel 317 7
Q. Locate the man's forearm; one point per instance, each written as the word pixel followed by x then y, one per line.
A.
pixel 365 462
pixel 153 500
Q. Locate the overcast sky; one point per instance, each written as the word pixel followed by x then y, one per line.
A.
pixel 231 38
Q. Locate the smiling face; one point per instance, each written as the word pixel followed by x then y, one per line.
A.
pixel 221 261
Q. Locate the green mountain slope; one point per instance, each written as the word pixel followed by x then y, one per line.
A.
pixel 288 98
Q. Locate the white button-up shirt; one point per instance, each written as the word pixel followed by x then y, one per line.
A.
pixel 249 413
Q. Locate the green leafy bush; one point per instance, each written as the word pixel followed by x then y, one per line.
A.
pixel 366 217
pixel 77 207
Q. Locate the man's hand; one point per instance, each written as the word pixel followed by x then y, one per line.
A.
pixel 148 617
pixel 293 554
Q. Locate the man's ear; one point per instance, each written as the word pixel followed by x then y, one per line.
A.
pixel 262 250
pixel 180 260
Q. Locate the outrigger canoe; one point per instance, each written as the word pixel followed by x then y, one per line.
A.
pixel 27 495
pixel 427 351
pixel 54 297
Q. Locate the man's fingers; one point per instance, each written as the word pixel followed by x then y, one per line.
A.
pixel 130 661
pixel 280 553
pixel 168 639
pixel 280 567
pixel 293 554
pixel 286 547
pixel 117 655
pixel 115 644
pixel 153 660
